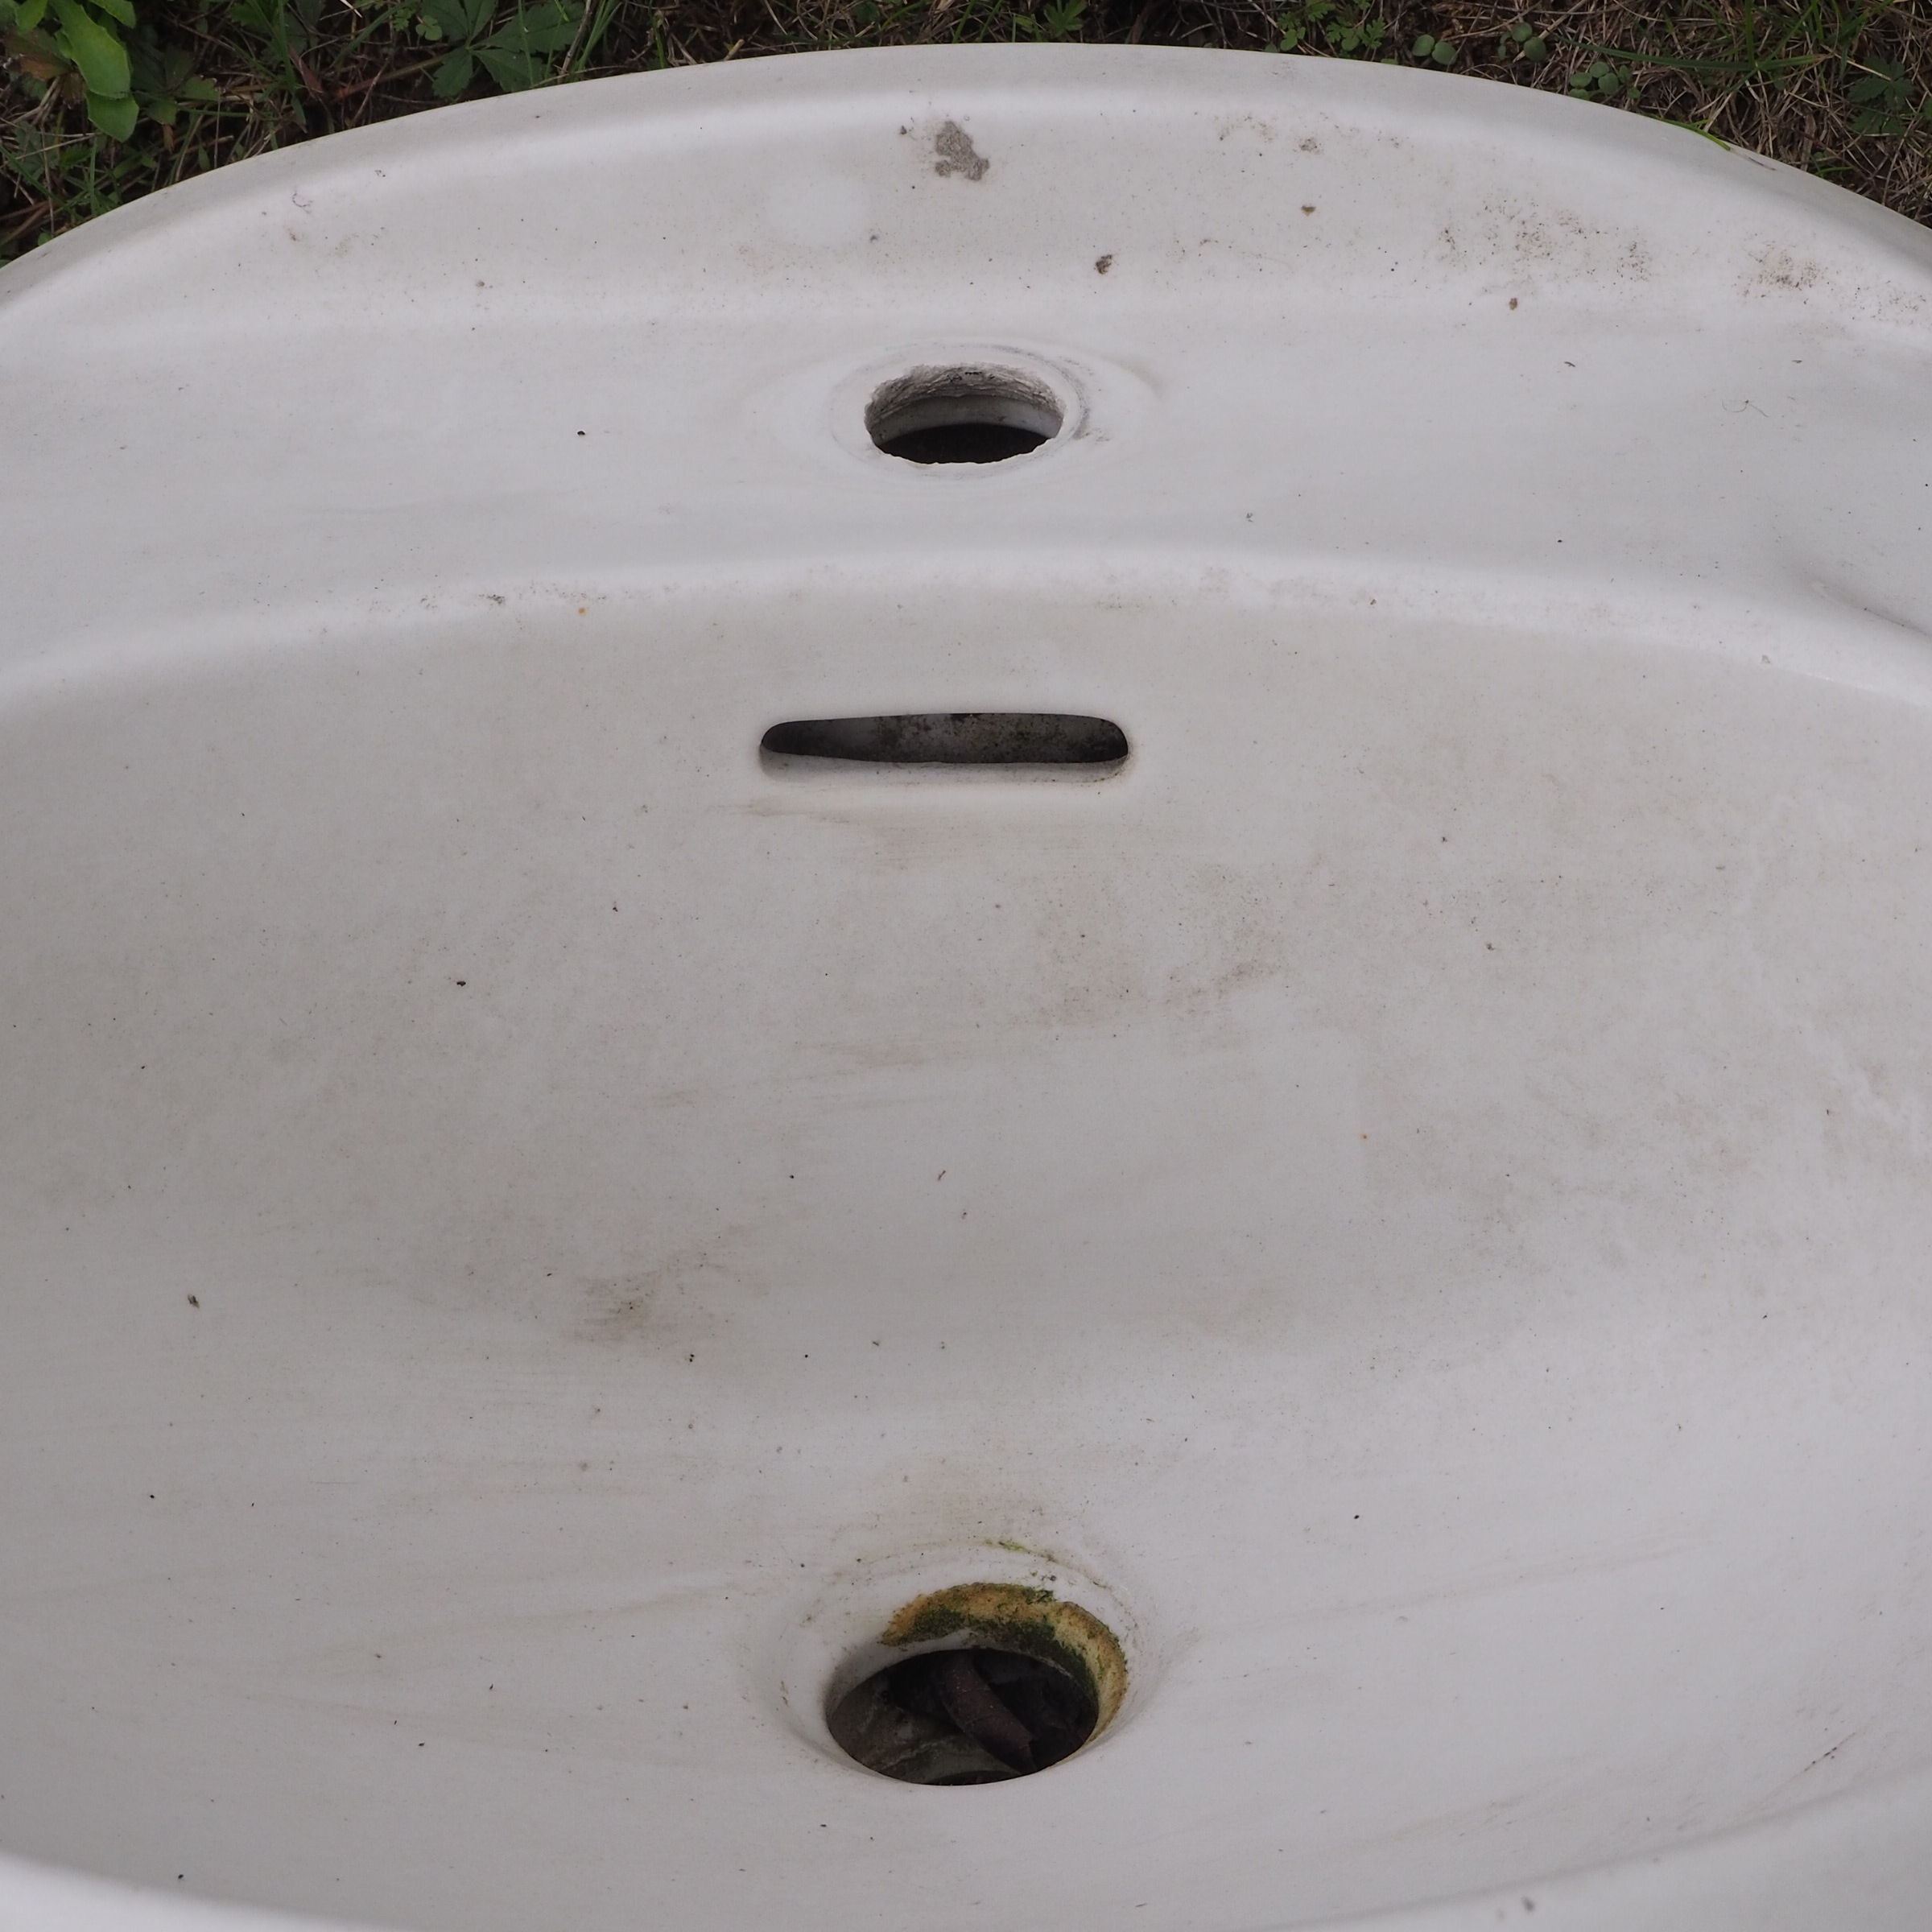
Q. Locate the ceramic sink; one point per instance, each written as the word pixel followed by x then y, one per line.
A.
pixel 645 1021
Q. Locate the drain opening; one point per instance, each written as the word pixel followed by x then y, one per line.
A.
pixel 964 1717
pixel 969 415
pixel 952 737
pixel 1007 1681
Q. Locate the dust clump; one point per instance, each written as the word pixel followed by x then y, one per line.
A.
pixel 956 154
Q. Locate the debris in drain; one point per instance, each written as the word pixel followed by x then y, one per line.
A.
pixel 964 1717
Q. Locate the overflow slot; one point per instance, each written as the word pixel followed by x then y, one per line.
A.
pixel 981 739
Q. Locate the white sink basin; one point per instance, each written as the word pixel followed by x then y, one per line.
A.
pixel 531 1227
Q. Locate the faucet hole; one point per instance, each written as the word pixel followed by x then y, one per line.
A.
pixel 952 737
pixel 1000 1680
pixel 970 414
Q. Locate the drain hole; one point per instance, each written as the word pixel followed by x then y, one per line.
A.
pixel 970 414
pixel 964 1717
pixel 952 737
pixel 1002 1680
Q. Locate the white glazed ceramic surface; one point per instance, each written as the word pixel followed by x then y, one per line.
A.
pixel 522 1226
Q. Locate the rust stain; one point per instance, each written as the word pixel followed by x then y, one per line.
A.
pixel 1026 1619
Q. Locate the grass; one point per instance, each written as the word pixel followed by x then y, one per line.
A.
pixel 107 100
